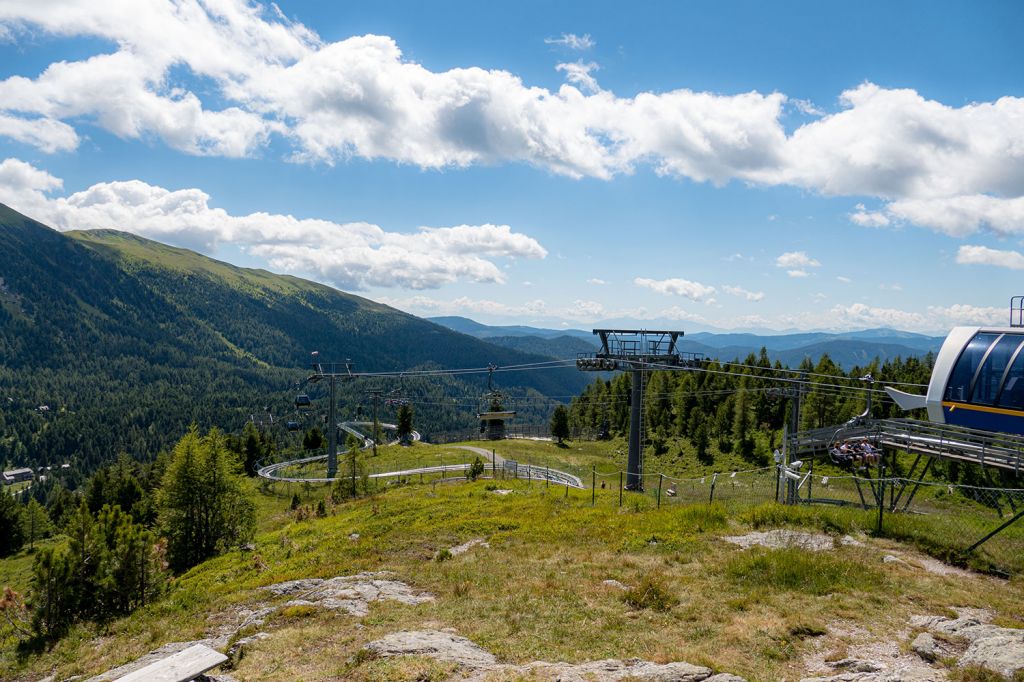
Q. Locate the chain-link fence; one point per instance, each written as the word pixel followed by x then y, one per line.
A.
pixel 967 525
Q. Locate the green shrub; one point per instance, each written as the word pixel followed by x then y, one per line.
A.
pixel 650 593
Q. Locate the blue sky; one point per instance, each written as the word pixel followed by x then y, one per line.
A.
pixel 740 165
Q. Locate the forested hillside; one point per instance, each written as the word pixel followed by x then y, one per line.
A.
pixel 113 343
pixel 741 408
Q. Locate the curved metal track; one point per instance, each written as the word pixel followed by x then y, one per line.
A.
pixel 531 472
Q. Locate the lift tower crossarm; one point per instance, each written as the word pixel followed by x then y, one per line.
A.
pixel 635 350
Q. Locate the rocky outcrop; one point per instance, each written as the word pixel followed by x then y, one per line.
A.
pixel 989 646
pixel 477 664
pixel 351 594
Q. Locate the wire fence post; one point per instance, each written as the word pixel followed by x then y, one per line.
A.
pixel 620 488
pixel 547 475
pixel 593 485
pixel 714 479
pixel 881 504
pixel 661 477
pixel 494 471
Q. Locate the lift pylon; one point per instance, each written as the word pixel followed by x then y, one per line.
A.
pixel 637 351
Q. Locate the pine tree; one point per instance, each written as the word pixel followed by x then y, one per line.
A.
pixel 203 509
pixel 36 522
pixel 404 425
pixel 560 423
pixel 12 531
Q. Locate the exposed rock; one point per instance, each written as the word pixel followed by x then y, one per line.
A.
pixel 466 546
pixel 481 665
pixel 238 648
pixel 502 492
pixel 353 536
pixel 780 538
pixel 867 658
pixel 924 645
pixel 856 665
pixel 351 594
pixel 610 671
pixel 443 646
pixel 892 559
pixel 616 584
pixel 901 675
pixel 990 646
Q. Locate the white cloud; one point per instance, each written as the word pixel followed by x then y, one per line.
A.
pixel 573 41
pixel 890 287
pixel 695 291
pixel 866 218
pixel 739 256
pixel 44 133
pixel 982 255
pixel 818 297
pixel 798 273
pixel 796 259
pixel 463 305
pixel 351 255
pixel 933 320
pixel 844 280
pixel 578 73
pixel 260 76
pixel 740 292
pixel 806 106
pixel 963 215
pixel 596 281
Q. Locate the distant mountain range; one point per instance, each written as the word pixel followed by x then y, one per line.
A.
pixel 126 341
pixel 847 350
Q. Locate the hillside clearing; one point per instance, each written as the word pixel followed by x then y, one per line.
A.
pixel 538 592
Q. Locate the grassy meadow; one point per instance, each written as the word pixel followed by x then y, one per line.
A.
pixel 538 591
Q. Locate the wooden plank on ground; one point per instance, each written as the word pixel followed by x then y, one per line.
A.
pixel 180 667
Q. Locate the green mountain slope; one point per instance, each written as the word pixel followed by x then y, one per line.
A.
pixel 127 340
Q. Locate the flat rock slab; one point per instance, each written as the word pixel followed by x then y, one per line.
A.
pixel 613 670
pixel 351 593
pixel 781 538
pixel 480 665
pixel 443 646
pixel 992 647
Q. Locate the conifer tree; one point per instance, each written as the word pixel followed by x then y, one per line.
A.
pixel 203 509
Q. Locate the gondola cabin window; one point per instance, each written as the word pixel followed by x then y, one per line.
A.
pixel 959 386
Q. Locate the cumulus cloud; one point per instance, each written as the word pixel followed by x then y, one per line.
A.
pixel 44 133
pixel 227 78
pixel 866 218
pixel 740 292
pixel 596 281
pixel 578 73
pixel 573 41
pixel 982 255
pixel 796 259
pixel 350 255
pixel 695 291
